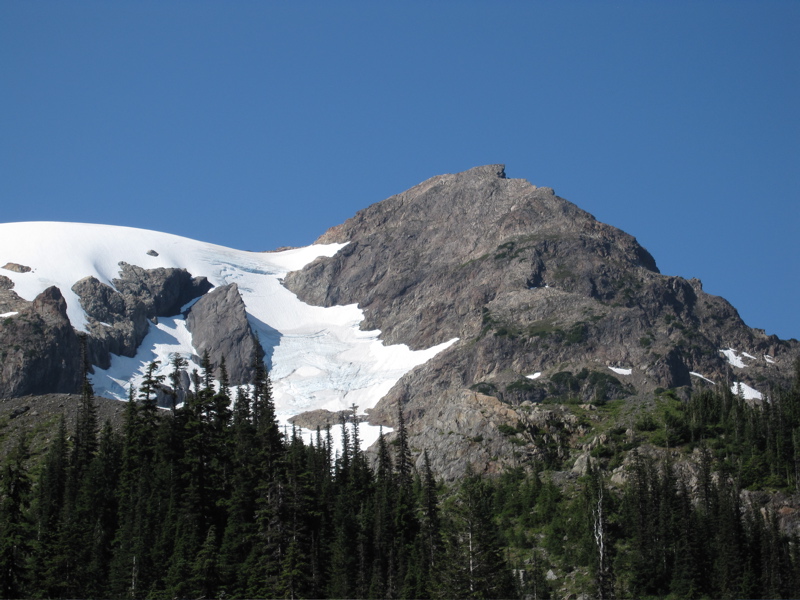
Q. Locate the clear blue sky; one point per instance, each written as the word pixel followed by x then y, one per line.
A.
pixel 261 124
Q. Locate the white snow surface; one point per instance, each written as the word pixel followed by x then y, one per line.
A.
pixel 621 371
pixel 746 391
pixel 319 356
pixel 534 375
pixel 768 358
pixel 734 359
pixel 8 314
pixel 702 377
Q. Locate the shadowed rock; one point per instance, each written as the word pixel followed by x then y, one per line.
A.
pixel 39 350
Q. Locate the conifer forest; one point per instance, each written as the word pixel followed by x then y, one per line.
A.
pixel 214 499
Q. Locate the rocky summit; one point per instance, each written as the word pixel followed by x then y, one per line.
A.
pixel 547 304
pixel 514 305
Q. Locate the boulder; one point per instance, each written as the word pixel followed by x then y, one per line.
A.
pixel 218 323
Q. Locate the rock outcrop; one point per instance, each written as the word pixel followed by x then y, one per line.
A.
pixel 219 326
pixel 39 350
pixel 16 268
pixel 118 316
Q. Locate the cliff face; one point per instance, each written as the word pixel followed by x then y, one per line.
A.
pixel 39 350
pixel 529 283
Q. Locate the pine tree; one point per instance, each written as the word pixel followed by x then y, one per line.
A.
pixel 473 565
pixel 205 572
pixel 16 527
pixel 138 494
pixel 85 444
pixel 238 537
pixel 179 364
pixel 98 504
pixel 50 501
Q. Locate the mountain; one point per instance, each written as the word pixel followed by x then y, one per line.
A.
pixel 468 300
pixel 547 304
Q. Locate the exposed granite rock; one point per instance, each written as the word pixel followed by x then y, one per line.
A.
pixel 40 352
pixel 16 268
pixel 530 283
pixel 219 325
pixel 9 300
pixel 424 263
pixel 5 283
pixel 117 323
pixel 162 291
pixel 118 318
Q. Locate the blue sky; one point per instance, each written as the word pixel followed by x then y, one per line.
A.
pixel 261 124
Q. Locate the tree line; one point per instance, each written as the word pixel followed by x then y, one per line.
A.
pixel 213 498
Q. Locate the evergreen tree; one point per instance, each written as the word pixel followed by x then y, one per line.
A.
pixel 98 509
pixel 50 499
pixel 179 364
pixel 85 444
pixel 238 536
pixel 473 565
pixel 16 527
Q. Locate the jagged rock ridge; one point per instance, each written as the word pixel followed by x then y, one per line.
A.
pixel 118 316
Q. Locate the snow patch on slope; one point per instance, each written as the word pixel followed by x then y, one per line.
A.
pixel 746 392
pixel 621 371
pixel 169 337
pixel 318 356
pixel 703 377
pixel 733 359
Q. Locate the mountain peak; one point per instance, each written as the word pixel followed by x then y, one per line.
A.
pixel 545 300
pixel 420 245
pixel 490 171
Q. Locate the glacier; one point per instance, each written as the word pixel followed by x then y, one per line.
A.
pixel 320 358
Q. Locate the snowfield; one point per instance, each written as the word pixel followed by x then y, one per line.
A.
pixel 319 356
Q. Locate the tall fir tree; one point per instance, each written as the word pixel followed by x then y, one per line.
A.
pixel 16 525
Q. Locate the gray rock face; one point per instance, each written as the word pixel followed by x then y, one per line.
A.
pixel 529 283
pixel 219 325
pixel 117 323
pixel 39 350
pixel 162 291
pixel 118 318
pixel 424 263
